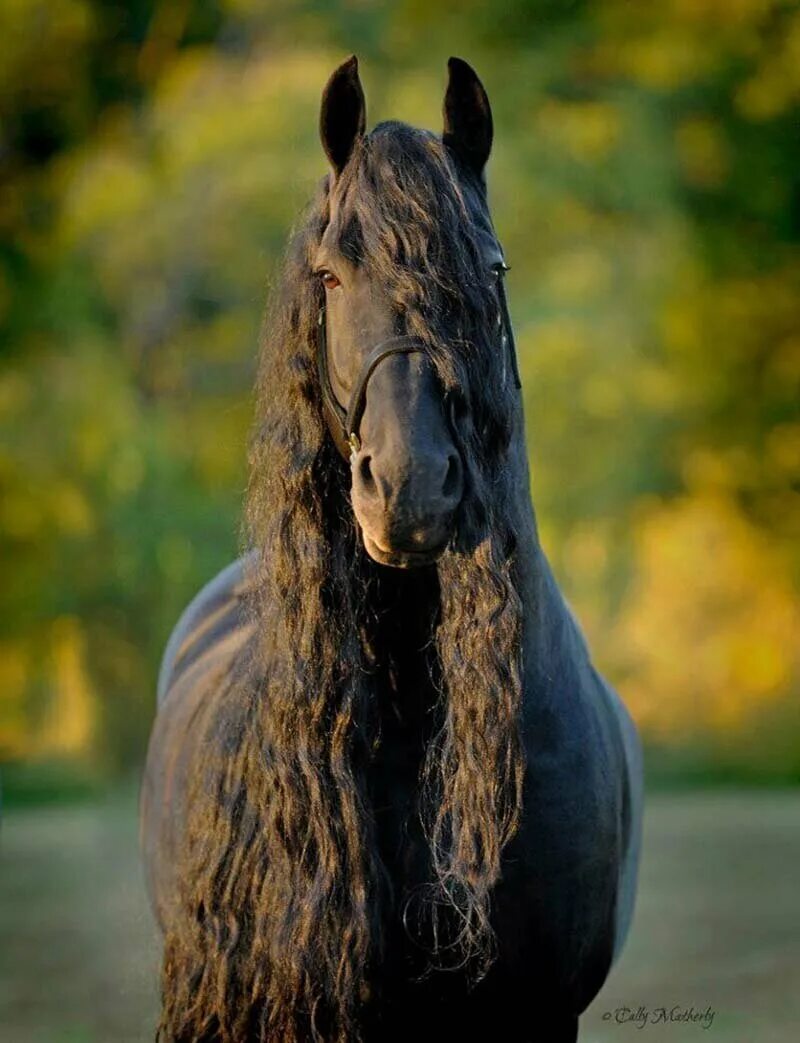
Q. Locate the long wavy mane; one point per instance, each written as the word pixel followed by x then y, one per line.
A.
pixel 283 892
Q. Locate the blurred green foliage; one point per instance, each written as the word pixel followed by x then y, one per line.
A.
pixel 646 185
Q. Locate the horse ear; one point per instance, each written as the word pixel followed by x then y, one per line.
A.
pixel 468 128
pixel 343 115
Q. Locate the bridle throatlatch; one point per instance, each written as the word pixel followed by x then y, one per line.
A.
pixel 344 422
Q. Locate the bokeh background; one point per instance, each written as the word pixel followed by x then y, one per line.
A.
pixel 645 183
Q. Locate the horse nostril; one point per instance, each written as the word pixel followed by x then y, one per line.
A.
pixel 453 477
pixel 365 473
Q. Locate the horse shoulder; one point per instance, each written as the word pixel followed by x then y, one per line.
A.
pixel 626 786
pixel 205 652
pixel 219 609
pixel 579 851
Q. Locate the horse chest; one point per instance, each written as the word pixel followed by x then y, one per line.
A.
pixel 393 782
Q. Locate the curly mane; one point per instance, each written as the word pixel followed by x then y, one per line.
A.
pixel 283 892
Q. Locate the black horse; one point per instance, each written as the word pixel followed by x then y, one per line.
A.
pixel 387 796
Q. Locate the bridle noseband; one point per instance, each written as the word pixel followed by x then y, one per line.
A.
pixel 344 423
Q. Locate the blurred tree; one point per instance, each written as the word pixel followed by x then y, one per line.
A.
pixel 646 185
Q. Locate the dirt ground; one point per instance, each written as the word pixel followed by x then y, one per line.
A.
pixel 716 935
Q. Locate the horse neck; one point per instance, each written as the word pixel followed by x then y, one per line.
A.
pixel 529 552
pixel 551 641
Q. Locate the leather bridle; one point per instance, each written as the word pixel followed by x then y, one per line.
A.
pixel 344 422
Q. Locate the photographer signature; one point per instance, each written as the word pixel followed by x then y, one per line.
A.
pixel 642 1016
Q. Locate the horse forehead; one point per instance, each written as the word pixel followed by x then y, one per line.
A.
pixel 489 246
pixel 329 243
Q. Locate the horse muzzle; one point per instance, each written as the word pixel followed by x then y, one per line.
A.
pixel 406 509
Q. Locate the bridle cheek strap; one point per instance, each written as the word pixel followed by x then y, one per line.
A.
pixel 344 423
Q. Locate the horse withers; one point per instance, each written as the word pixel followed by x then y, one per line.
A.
pixel 387 795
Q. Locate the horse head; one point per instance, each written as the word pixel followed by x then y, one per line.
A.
pixel 410 270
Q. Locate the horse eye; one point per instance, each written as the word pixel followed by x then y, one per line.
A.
pixel 329 280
